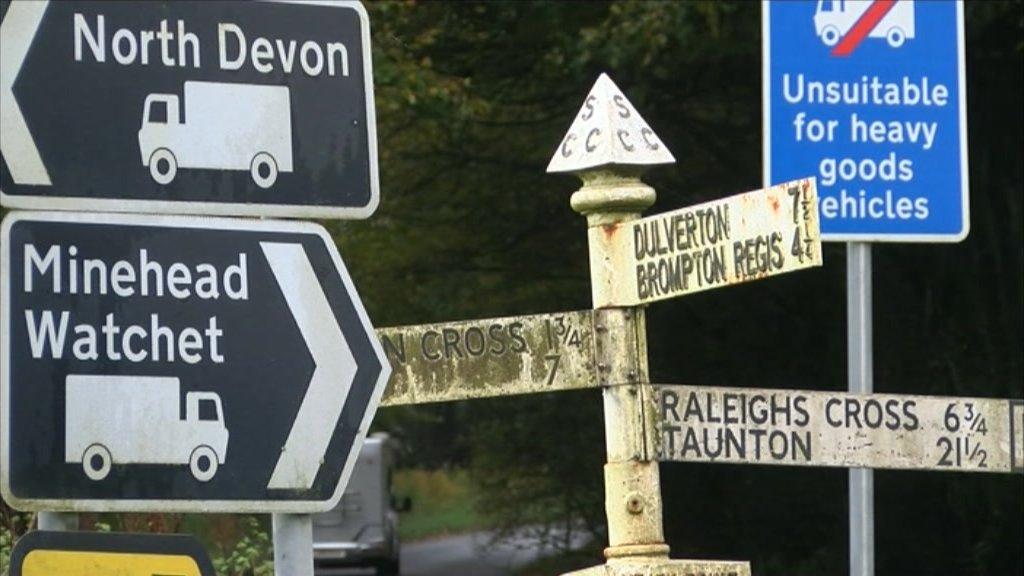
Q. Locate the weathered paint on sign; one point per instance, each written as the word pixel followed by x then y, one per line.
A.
pixel 736 239
pixel 491 357
pixel 805 428
pixel 669 568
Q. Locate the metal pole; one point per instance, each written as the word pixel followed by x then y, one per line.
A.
pixel 293 544
pixel 859 366
pixel 60 521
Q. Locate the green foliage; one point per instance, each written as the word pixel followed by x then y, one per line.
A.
pixel 13 525
pixel 443 502
pixel 251 555
pixel 537 464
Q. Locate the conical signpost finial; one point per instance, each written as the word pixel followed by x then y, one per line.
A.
pixel 608 130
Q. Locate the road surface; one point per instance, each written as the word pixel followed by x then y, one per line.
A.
pixel 468 555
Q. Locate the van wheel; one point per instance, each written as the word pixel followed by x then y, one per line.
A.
pixel 830 35
pixel 895 37
pixel 203 463
pixel 96 462
pixel 263 170
pixel 163 166
pixel 389 568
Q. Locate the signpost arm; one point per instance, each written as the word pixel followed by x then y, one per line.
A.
pixel 63 521
pixel 293 544
pixel 859 365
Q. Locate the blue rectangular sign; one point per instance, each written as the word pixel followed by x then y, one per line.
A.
pixel 869 97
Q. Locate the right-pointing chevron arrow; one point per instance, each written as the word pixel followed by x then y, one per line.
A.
pixel 335 369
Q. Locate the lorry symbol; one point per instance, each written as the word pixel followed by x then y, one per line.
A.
pixel 136 420
pixel 834 18
pixel 225 127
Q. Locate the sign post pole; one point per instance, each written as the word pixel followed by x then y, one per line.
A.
pixel 63 521
pixel 859 337
pixel 631 477
pixel 293 544
pixel 613 195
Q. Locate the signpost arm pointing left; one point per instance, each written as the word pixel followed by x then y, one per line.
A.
pixel 335 369
pixel 19 149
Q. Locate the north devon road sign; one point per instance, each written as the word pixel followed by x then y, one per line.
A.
pixel 736 239
pixel 179 364
pixel 870 97
pixel 228 107
pixel 808 428
pixel 42 553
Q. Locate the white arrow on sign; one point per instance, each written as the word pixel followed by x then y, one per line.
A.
pixel 16 143
pixel 334 371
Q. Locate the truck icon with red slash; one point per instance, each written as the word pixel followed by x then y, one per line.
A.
pixel 853 20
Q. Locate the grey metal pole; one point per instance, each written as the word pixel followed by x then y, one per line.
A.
pixel 859 368
pixel 61 521
pixel 293 544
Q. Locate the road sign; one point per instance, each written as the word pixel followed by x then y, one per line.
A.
pixel 736 239
pixel 40 553
pixel 869 96
pixel 493 357
pixel 180 364
pixel 805 428
pixel 231 107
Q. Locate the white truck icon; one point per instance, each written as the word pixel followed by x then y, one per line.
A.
pixel 225 127
pixel 834 18
pixel 136 420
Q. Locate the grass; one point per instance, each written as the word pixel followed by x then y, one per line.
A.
pixel 442 503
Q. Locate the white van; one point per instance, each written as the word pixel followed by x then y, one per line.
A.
pixel 362 530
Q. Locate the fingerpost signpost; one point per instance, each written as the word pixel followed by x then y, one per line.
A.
pixel 636 260
pixel 869 96
pixel 157 361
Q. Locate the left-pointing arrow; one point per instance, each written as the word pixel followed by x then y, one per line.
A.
pixel 19 149
pixel 335 367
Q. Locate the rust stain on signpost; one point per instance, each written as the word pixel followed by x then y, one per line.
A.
pixel 490 357
pixel 737 239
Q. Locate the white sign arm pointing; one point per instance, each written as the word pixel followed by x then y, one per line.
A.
pixel 19 149
pixel 335 367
